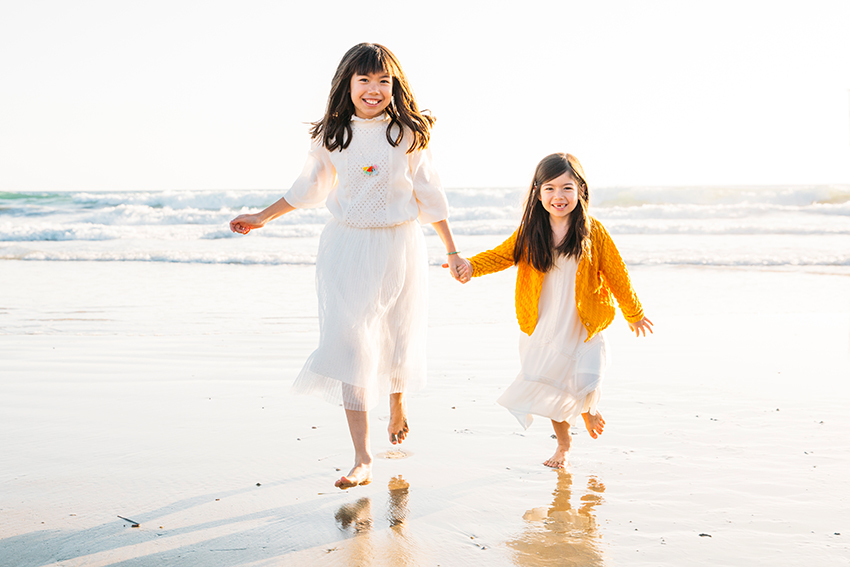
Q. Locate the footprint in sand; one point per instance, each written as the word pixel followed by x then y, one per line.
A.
pixel 395 454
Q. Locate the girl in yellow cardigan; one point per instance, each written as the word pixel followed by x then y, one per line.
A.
pixel 568 269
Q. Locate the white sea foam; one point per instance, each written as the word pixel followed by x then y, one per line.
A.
pixel 192 226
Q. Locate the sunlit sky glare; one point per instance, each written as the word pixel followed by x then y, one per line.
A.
pixel 216 94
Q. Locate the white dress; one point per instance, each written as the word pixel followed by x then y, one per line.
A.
pixel 561 373
pixel 371 266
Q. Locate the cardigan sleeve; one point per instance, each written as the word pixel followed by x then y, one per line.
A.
pixel 499 258
pixel 616 276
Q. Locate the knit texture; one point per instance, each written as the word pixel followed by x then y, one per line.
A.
pixel 601 277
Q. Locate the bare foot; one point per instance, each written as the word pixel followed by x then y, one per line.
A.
pixel 360 475
pixel 557 460
pixel 398 419
pixel 594 423
pixel 562 432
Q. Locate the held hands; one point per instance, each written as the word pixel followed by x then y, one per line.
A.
pixel 459 267
pixel 243 224
pixel 641 327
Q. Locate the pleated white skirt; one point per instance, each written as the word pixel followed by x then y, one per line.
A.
pixel 372 285
pixel 561 375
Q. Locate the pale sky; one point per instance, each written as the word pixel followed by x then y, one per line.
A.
pixel 216 94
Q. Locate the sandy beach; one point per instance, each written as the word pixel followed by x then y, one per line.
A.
pixel 148 351
pixel 159 392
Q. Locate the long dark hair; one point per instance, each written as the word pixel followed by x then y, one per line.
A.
pixel 534 242
pixel 364 59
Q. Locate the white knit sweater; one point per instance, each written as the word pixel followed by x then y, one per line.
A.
pixel 371 184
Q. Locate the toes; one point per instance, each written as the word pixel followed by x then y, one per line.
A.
pixel 344 483
pixel 393 438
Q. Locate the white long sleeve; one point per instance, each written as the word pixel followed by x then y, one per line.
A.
pixel 317 179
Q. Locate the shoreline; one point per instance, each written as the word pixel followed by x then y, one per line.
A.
pixel 149 391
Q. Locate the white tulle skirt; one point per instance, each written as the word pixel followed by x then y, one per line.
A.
pixel 372 285
pixel 570 386
pixel 561 375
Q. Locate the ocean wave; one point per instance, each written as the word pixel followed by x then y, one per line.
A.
pixel 744 262
pixel 732 227
pixel 179 257
pixel 795 196
pixel 88 232
pixel 49 232
pixel 204 200
pixel 274 256
pixel 798 226
pixel 135 214
pixel 722 211
pixel 510 198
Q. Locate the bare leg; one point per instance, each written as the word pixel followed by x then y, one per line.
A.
pixel 398 419
pixel 361 473
pixel 594 423
pixel 562 432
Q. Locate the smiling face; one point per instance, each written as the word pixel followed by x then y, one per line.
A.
pixel 371 94
pixel 559 196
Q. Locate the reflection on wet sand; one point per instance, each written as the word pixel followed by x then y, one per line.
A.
pixel 373 547
pixel 560 534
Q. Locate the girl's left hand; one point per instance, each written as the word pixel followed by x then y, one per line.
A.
pixel 641 327
pixel 459 267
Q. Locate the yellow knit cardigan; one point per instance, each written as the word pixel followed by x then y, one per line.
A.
pixel 601 272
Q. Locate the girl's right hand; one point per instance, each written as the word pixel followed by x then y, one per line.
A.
pixel 243 224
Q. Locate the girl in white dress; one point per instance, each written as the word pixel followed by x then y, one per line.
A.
pixel 370 163
pixel 568 269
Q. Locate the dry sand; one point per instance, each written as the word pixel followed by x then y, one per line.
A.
pixel 159 393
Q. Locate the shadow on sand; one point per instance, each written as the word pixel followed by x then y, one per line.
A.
pixel 272 534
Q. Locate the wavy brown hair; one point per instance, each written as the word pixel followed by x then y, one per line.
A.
pixel 534 241
pixel 364 59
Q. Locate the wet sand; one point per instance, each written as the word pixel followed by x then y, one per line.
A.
pixel 159 393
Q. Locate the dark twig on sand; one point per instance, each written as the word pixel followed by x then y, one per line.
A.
pixel 133 523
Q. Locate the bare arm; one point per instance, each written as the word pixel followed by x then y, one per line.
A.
pixel 243 224
pixel 457 265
